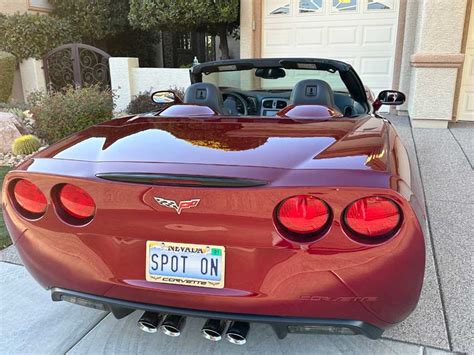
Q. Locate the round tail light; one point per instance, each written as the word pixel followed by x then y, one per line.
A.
pixel 29 198
pixel 76 202
pixel 303 215
pixel 373 217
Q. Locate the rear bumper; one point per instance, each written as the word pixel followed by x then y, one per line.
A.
pixel 281 325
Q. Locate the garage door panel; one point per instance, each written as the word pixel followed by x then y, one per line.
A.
pixel 342 35
pixel 364 37
pixel 378 35
pixel 310 36
pixel 375 66
pixel 278 37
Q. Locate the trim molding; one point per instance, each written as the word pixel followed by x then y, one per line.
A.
pixel 437 60
pixel 402 14
pixel 424 123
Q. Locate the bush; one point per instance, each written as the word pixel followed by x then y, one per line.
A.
pixel 26 145
pixel 62 113
pixel 142 103
pixel 7 72
pixel 27 35
pixel 5 106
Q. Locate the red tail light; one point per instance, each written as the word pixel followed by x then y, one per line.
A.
pixel 76 202
pixel 303 214
pixel 29 197
pixel 373 217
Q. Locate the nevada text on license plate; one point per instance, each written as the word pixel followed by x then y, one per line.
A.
pixel 185 264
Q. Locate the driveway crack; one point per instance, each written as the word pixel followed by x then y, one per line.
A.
pixel 89 330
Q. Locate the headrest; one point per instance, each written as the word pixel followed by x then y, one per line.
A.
pixel 312 92
pixel 205 94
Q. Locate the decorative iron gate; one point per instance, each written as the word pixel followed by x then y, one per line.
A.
pixel 76 64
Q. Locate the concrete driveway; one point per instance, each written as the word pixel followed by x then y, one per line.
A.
pixel 32 324
pixel 443 321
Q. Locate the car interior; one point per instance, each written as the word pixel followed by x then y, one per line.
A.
pixel 232 101
pixel 273 87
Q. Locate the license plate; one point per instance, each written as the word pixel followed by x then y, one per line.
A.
pixel 185 264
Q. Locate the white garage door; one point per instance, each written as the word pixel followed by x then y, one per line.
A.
pixel 360 32
pixel 466 92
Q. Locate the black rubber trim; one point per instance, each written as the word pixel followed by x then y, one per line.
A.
pixel 121 308
pixel 181 180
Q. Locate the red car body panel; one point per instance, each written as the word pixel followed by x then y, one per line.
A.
pixel 336 159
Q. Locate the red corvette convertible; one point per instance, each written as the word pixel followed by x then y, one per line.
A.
pixel 272 192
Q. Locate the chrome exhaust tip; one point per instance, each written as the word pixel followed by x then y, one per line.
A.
pixel 173 325
pixel 213 329
pixel 149 322
pixel 237 333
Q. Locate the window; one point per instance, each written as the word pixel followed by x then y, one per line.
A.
pixel 344 5
pixel 380 5
pixel 184 41
pixel 277 7
pixel 247 80
pixel 281 10
pixel 309 6
pixel 39 5
pixel 210 47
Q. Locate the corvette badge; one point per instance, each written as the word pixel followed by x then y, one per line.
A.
pixel 178 207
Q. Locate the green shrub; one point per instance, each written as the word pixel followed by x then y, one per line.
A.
pixel 62 113
pixel 5 106
pixel 7 72
pixel 26 145
pixel 25 35
pixel 142 103
pixel 18 112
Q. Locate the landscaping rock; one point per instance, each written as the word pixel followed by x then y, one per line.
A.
pixel 13 160
pixel 8 131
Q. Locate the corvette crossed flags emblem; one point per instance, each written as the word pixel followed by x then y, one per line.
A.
pixel 178 207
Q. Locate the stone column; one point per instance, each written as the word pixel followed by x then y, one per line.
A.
pixel 435 62
pixel 121 80
pixel 32 76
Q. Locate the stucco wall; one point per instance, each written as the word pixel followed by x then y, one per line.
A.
pixel 435 61
pixel 152 79
pixel 128 79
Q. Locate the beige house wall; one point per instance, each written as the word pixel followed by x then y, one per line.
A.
pixel 435 62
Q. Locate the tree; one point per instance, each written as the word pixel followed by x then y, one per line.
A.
pixel 95 20
pixel 216 17
pixel 26 35
pixel 104 24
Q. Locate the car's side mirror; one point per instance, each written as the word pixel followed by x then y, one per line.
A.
pixel 391 97
pixel 167 97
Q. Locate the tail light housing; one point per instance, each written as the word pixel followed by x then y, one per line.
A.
pixel 76 205
pixel 28 199
pixel 373 218
pixel 303 217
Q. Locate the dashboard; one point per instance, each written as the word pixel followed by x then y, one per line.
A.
pixel 257 103
pixel 268 103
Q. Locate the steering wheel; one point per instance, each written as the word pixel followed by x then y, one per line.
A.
pixel 240 103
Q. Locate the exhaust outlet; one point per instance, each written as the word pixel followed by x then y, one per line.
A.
pixel 149 322
pixel 173 325
pixel 237 333
pixel 213 329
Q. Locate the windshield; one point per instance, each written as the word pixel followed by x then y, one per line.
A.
pixel 248 80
